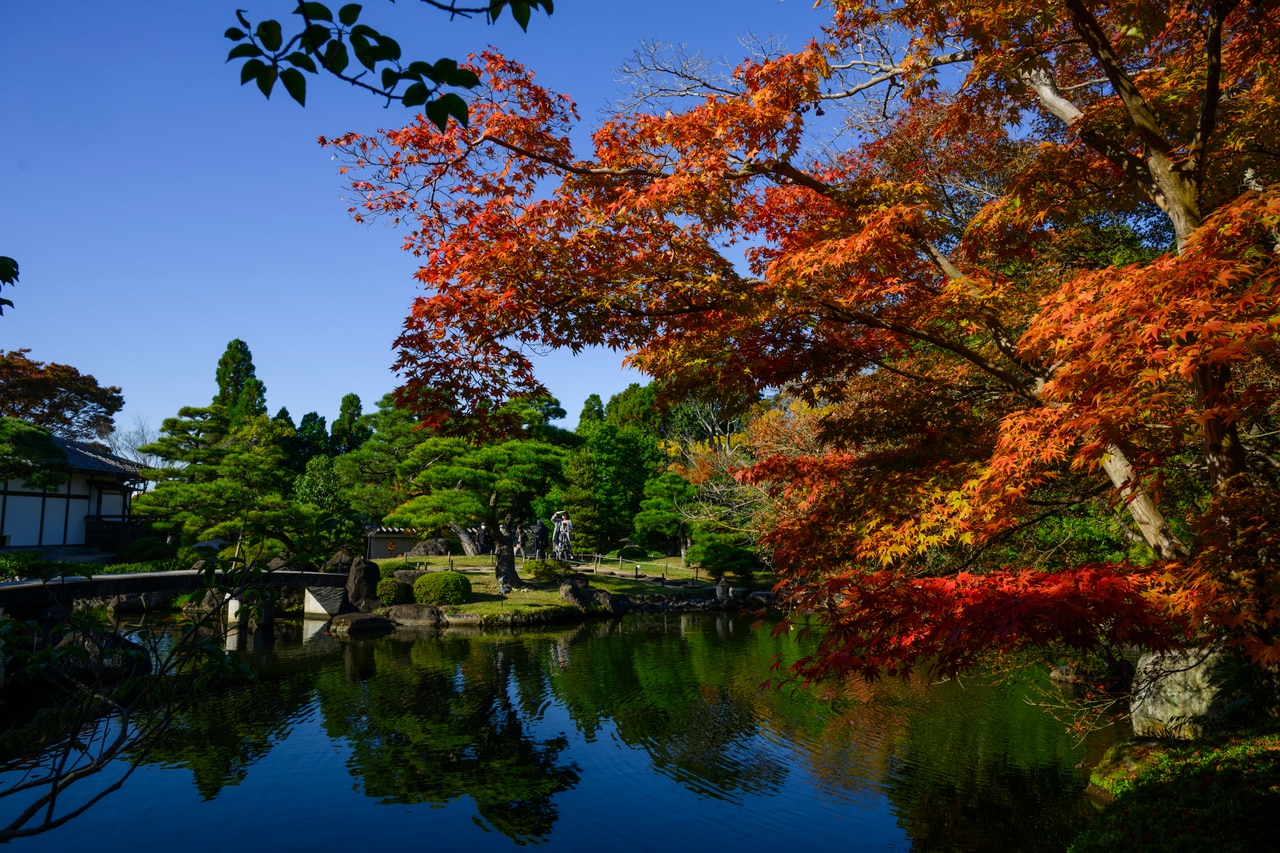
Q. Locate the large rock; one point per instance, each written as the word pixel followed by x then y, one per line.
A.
pixel 103 657
pixel 138 602
pixel 362 585
pixel 350 624
pixel 430 548
pixel 572 593
pixel 415 615
pixel 339 562
pixel 1181 694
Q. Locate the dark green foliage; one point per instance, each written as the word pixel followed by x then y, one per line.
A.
pixel 327 42
pixel 351 429
pixel 145 550
pixel 9 276
pixel 313 439
pixel 605 480
pixel 723 554
pixel 592 411
pixel 28 453
pixel 240 392
pixel 15 565
pixel 662 521
pixel 442 588
pixel 1220 794
pixel 163 564
pixel 632 552
pixel 547 571
pixel 635 406
pixel 391 592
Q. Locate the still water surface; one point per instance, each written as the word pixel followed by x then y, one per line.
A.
pixel 649 733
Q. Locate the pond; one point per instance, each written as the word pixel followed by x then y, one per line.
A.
pixel 646 733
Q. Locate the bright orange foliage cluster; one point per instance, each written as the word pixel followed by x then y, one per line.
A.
pixel 1038 277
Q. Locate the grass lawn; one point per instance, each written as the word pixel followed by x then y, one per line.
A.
pixel 486 600
pixel 1219 794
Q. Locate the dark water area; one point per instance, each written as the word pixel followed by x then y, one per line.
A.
pixel 649 733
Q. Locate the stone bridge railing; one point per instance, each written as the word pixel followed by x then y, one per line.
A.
pixel 24 599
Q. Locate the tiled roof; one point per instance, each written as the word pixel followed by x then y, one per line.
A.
pixel 90 459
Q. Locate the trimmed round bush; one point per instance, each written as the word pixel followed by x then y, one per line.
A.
pixel 389 568
pixel 633 552
pixel 441 588
pixel 391 591
pixel 546 570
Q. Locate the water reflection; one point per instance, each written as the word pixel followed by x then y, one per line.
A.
pixel 532 734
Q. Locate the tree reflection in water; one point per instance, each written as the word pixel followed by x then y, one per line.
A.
pixel 668 701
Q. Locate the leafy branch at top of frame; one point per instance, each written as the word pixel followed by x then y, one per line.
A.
pixel 329 41
pixel 9 276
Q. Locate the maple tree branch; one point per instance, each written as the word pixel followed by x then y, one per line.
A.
pixel 581 171
pixel 1052 99
pixel 1212 87
pixel 1144 120
pixel 891 72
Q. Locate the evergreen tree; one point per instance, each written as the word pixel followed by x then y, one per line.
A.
pixel 592 411
pixel 240 391
pixel 351 429
pixel 313 440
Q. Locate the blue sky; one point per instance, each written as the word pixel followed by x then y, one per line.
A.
pixel 159 210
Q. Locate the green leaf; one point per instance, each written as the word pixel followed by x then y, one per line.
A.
pixel 244 22
pixel 348 13
pixel 267 79
pixel 520 11
pixel 418 69
pixel 302 61
pixel 314 11
pixel 243 51
pixel 295 84
pixel 8 270
pixel 389 78
pixel 364 32
pixel 316 35
pixel 463 78
pixel 235 34
pixel 335 57
pixel 251 69
pixel 364 52
pixel 269 35
pixel 455 106
pixel 436 114
pixel 389 47
pixel 415 95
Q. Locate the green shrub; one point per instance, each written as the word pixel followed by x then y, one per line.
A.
pixel 633 552
pixel 441 588
pixel 17 565
pixel 720 555
pixel 391 591
pixel 389 568
pixel 546 570
pixel 172 564
pixel 145 550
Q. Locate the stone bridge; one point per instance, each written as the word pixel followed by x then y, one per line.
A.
pixel 29 598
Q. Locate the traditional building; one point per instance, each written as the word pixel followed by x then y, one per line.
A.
pixel 90 510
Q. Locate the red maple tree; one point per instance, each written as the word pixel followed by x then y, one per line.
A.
pixel 1040 271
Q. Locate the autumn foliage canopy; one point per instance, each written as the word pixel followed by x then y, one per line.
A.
pixel 1013 268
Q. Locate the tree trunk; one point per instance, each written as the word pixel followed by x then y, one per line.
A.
pixel 1219 438
pixel 469 546
pixel 1142 509
pixel 504 567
